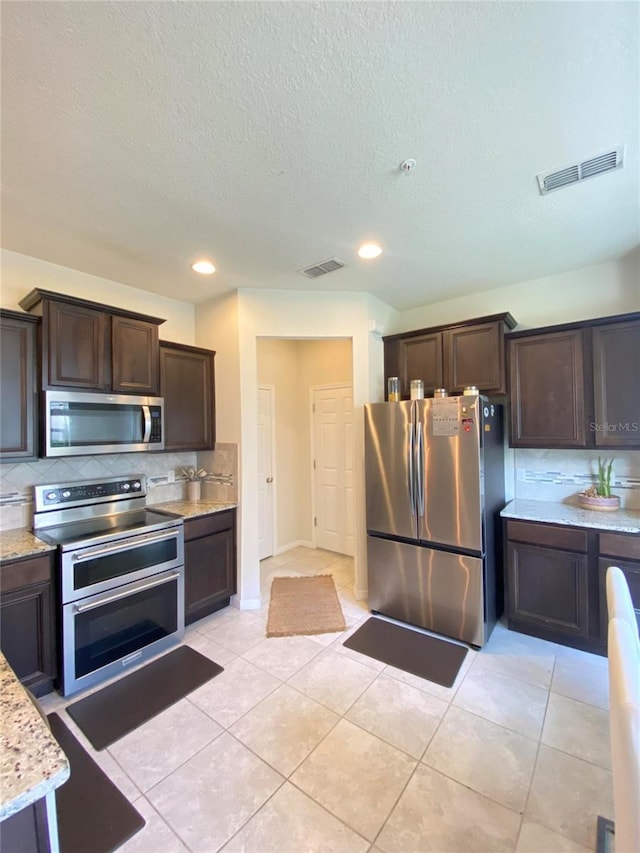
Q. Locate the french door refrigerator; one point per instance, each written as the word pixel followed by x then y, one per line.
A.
pixel 434 491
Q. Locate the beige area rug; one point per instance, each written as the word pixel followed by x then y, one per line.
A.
pixel 308 605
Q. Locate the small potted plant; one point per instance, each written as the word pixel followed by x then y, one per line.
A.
pixel 194 478
pixel 599 495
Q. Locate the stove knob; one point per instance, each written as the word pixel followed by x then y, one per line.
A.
pixel 66 494
pixel 51 496
pixel 126 486
pixel 136 485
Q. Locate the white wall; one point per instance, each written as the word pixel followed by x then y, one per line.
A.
pixel 20 274
pixel 287 314
pixel 597 291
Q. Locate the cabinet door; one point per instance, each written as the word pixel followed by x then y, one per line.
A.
pixel 134 345
pixel 187 384
pixel 616 362
pixel 547 589
pixel 17 388
pixel 631 571
pixel 547 390
pixel 209 570
pixel 27 624
pixel 420 357
pixel 77 347
pixel 474 355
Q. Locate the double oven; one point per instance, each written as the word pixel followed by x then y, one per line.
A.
pixel 120 576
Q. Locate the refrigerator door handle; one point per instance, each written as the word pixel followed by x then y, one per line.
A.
pixel 420 469
pixel 411 477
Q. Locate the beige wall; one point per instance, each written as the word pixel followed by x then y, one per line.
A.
pixel 20 274
pixel 597 291
pixel 217 329
pixel 293 367
pixel 278 366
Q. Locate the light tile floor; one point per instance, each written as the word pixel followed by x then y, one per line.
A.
pixel 303 745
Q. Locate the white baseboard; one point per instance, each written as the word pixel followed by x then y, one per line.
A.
pixel 246 603
pixel 301 543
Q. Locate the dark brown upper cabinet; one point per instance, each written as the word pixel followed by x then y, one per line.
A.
pixel 451 357
pixel 616 384
pixel 474 355
pixel 18 397
pixel 135 355
pixel 418 357
pixel 187 383
pixel 94 347
pixel 547 390
pixel 576 385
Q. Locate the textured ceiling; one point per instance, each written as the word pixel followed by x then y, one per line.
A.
pixel 138 136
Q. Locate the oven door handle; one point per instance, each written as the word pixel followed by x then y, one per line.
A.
pixel 146 413
pixel 82 608
pixel 139 541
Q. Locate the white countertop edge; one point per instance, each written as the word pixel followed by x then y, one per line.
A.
pixel 35 793
pixel 621 521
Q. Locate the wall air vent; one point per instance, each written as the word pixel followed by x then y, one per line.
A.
pixel 322 268
pixel 607 162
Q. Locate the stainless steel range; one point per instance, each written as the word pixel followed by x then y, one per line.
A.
pixel 120 575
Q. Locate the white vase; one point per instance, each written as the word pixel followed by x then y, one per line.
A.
pixel 193 490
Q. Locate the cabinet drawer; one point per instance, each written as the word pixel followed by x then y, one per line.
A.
pixel 21 573
pixel 207 524
pixel 620 545
pixel 549 535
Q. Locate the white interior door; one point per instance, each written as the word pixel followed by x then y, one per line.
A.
pixel 333 469
pixel 265 471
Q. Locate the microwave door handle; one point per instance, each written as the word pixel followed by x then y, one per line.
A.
pixel 146 414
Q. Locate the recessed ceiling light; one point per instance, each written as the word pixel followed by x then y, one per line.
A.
pixel 203 267
pixel 369 250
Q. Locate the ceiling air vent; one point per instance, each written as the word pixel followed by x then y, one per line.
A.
pixel 607 162
pixel 322 268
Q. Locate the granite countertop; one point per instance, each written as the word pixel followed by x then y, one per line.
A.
pixel 21 543
pixel 32 764
pixel 621 521
pixel 191 509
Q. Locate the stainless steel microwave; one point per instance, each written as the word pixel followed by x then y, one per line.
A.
pixel 80 423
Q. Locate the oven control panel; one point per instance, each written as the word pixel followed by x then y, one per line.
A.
pixel 74 493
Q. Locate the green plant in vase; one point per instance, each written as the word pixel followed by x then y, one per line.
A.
pixel 599 495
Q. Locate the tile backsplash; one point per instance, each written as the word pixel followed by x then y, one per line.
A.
pixel 558 475
pixel 18 478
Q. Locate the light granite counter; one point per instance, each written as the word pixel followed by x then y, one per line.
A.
pixel 32 764
pixel 621 521
pixel 191 509
pixel 21 543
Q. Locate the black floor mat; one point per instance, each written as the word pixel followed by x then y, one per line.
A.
pixel 93 815
pixel 121 707
pixel 429 657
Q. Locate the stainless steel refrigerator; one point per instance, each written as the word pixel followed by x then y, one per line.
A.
pixel 434 490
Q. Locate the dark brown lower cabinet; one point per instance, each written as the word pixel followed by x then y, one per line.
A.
pixel 552 588
pixel 621 550
pixel 27 621
pixel 209 563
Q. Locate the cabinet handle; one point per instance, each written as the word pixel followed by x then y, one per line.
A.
pixel 269 479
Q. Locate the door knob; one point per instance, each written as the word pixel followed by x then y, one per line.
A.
pixel 269 479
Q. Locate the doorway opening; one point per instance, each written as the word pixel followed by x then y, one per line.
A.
pixel 296 371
